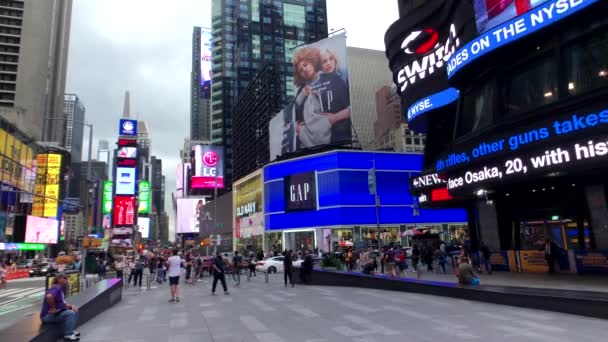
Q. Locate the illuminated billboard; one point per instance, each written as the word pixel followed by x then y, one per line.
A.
pixel 125 181
pixel 41 230
pixel 248 208
pixel 124 211
pixel 145 198
pixel 106 199
pixel 490 13
pixel 205 63
pixel 143 226
pixel 46 188
pixel 208 167
pixel 189 214
pixel 320 114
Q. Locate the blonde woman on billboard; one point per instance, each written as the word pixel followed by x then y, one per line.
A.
pixel 335 98
pixel 312 127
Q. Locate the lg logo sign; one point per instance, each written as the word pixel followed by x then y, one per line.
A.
pixel 210 158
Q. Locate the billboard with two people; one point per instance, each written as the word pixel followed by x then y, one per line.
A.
pixel 320 113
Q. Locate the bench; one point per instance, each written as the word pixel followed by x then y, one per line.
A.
pixel 584 303
pixel 90 303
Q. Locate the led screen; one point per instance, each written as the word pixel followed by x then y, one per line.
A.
pixel 189 210
pixel 127 152
pixel 125 181
pixel 124 211
pixel 41 230
pixel 143 226
pixel 208 167
pixel 205 63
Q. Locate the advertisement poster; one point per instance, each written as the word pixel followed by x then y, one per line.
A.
pixel 490 13
pixel 145 199
pixel 46 188
pixel 588 262
pixel 107 221
pixel 500 261
pixel 143 226
pixel 124 211
pixel 125 181
pixel 41 230
pixel 320 113
pixel 106 199
pixel 208 164
pixel 205 63
pixel 248 208
pixel 533 261
pixel 189 214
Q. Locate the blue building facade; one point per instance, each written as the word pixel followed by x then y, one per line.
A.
pixel 314 201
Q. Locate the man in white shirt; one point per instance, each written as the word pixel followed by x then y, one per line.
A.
pixel 174 269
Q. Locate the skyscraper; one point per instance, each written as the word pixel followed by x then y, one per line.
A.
pixel 33 59
pixel 246 36
pixel 200 85
pixel 73 111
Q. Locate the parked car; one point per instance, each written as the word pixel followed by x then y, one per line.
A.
pixel 270 265
pixel 42 269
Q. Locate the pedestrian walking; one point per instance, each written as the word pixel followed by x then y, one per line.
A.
pixel 174 268
pixel 119 266
pixel 189 268
pixel 415 257
pixel 306 268
pixel 139 271
pixel 288 268
pixel 3 275
pixel 101 269
pixel 160 270
pixel 219 274
pixel 236 268
pixel 252 264
pixel 441 259
pixel 400 262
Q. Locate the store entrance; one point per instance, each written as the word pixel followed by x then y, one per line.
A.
pixel 300 240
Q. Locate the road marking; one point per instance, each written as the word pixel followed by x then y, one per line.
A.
pixel 302 311
pixel 6 293
pixel 261 305
pixel 253 324
pixel 15 309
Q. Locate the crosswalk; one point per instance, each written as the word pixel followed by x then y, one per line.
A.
pixel 8 296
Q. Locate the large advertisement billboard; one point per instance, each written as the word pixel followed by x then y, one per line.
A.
pixel 124 211
pixel 320 112
pixel 125 181
pixel 189 211
pixel 248 207
pixel 46 188
pixel 490 13
pixel 143 226
pixel 106 198
pixel 145 199
pixel 205 63
pixel 208 164
pixel 41 230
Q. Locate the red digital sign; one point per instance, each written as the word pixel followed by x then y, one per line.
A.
pixel 124 211
pixel 128 162
pixel 440 195
pixel 127 143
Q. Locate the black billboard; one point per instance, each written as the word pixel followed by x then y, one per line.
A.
pixel 300 192
pixel 418 47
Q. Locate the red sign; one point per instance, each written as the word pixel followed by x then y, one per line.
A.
pixel 127 142
pixel 128 162
pixel 206 182
pixel 124 211
pixel 440 195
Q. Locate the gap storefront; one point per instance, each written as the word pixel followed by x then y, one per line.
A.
pixel 326 201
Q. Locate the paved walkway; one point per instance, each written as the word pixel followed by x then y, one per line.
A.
pixel 268 312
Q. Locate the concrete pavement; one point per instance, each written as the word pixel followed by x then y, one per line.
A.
pixel 269 312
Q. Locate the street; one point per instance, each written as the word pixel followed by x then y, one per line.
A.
pixel 270 312
pixel 21 297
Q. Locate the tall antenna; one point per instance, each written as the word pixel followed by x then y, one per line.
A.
pixel 126 111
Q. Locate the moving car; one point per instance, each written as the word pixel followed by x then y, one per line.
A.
pixel 42 269
pixel 270 265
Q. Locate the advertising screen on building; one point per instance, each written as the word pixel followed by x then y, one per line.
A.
pixel 189 213
pixel 41 230
pixel 124 211
pixel 145 199
pixel 106 198
pixel 301 192
pixel 489 13
pixel 248 208
pixel 127 127
pixel 143 226
pixel 122 231
pixel 125 181
pixel 126 152
pixel 46 188
pixel 419 46
pixel 107 221
pixel 208 167
pixel 320 113
pixel 205 63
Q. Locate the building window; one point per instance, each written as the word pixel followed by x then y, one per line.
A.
pixel 255 10
pixel 255 46
pixel 476 109
pixel 586 64
pixel 294 15
pixel 533 85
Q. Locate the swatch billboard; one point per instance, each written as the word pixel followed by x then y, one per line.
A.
pixel 320 113
pixel 208 164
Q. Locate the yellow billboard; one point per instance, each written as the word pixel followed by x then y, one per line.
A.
pixel 46 188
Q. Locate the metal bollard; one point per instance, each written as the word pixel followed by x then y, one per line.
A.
pixel 147 282
pixel 266 276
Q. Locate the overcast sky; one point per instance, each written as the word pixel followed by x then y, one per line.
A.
pixel 144 46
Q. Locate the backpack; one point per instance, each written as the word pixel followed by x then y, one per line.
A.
pixel 139 265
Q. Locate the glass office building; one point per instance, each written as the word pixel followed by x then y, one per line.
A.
pixel 247 35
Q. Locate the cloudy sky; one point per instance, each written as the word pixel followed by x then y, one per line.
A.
pixel 144 46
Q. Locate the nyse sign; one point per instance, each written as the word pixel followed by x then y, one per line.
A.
pixel 301 192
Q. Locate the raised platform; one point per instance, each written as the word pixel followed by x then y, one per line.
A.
pixel 90 303
pixel 585 303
